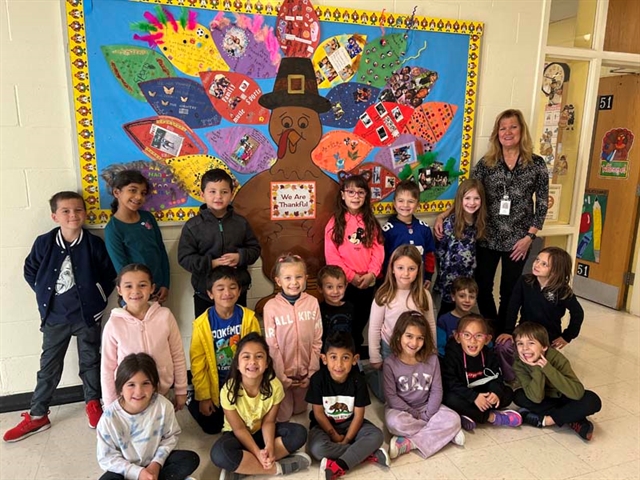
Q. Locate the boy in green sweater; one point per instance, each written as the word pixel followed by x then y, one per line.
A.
pixel 550 392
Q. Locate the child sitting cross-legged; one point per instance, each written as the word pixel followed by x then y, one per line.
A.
pixel 339 434
pixel 413 390
pixel 551 393
pixel 473 383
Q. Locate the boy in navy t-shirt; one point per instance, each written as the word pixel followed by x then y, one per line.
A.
pixel 337 315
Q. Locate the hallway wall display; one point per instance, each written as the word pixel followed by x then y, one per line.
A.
pixel 172 88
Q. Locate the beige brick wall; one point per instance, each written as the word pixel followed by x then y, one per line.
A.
pixel 36 145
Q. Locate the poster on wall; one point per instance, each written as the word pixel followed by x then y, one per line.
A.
pixel 614 155
pixel 594 208
pixel 174 88
pixel 553 204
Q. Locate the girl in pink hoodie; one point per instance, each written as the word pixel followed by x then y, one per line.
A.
pixel 141 327
pixel 353 240
pixel 293 330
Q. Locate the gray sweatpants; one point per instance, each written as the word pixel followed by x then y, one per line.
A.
pixel 367 441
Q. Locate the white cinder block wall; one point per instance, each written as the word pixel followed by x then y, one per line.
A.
pixel 36 145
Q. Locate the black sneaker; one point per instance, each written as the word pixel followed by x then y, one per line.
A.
pixel 531 418
pixel 583 427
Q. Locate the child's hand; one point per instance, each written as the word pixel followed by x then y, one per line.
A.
pixel 266 459
pixel 494 400
pixel 438 227
pixel 482 402
pixel 230 259
pixel 503 338
pixel 377 365
pixel 541 362
pixel 151 472
pixel 356 280
pixel 206 407
pixel 336 437
pixel 559 343
pixel 427 284
pixel 180 402
pixel 162 295
pixel 304 383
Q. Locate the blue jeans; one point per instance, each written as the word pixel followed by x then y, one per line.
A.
pixel 375 378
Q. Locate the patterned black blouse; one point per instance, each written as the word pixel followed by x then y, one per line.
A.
pixel 520 184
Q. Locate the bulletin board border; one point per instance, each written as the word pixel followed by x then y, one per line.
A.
pixel 85 134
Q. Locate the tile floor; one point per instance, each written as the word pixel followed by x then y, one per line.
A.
pixel 605 357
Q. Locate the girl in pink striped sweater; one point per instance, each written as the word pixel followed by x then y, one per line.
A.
pixel 293 330
pixel 141 327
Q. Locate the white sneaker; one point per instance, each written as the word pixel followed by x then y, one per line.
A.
pixel 459 438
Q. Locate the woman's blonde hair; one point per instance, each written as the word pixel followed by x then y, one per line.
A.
pixel 387 291
pixel 480 217
pixel 494 154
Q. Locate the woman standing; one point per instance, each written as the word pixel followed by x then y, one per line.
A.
pixel 512 176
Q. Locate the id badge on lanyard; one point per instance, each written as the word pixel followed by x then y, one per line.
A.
pixel 505 205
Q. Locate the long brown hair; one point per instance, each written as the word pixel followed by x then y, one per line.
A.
pixel 371 226
pixel 389 288
pixel 560 268
pixel 411 318
pixel 480 217
pixel 494 154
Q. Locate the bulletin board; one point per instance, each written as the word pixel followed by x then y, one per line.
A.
pixel 402 88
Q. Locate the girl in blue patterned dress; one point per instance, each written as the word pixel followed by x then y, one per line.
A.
pixel 456 252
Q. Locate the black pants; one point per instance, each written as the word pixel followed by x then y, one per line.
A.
pixel 361 300
pixel 487 264
pixel 211 424
pixel 200 305
pixel 470 409
pixel 55 342
pixel 562 410
pixel 227 452
pixel 178 466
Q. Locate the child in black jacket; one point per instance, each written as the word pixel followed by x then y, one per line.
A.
pixel 473 384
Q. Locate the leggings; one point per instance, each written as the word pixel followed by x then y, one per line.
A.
pixel 178 466
pixel 227 452
pixel 211 424
pixel 361 300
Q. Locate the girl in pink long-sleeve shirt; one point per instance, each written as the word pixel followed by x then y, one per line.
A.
pixel 353 240
pixel 402 290
pixel 293 330
pixel 141 327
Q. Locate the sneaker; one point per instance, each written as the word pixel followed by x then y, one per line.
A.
pixel 331 469
pixel 380 456
pixel 27 427
pixel 459 438
pixel 94 412
pixel 583 427
pixel 531 418
pixel 507 418
pixel 294 463
pixel 399 446
pixel 468 424
pixel 227 475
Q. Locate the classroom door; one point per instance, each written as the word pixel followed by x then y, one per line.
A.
pixel 610 209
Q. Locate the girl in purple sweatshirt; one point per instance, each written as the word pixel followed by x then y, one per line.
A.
pixel 413 391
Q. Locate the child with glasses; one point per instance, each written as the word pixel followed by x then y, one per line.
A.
pixel 473 383
pixel 353 240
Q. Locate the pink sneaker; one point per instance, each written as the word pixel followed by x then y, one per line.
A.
pixel 331 469
pixel 27 427
pixel 399 446
pixel 507 418
pixel 94 412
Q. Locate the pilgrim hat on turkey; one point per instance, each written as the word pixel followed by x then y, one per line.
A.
pixel 295 86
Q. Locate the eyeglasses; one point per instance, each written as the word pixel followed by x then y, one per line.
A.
pixel 356 193
pixel 478 336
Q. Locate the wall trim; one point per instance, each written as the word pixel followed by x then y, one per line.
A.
pixel 22 401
